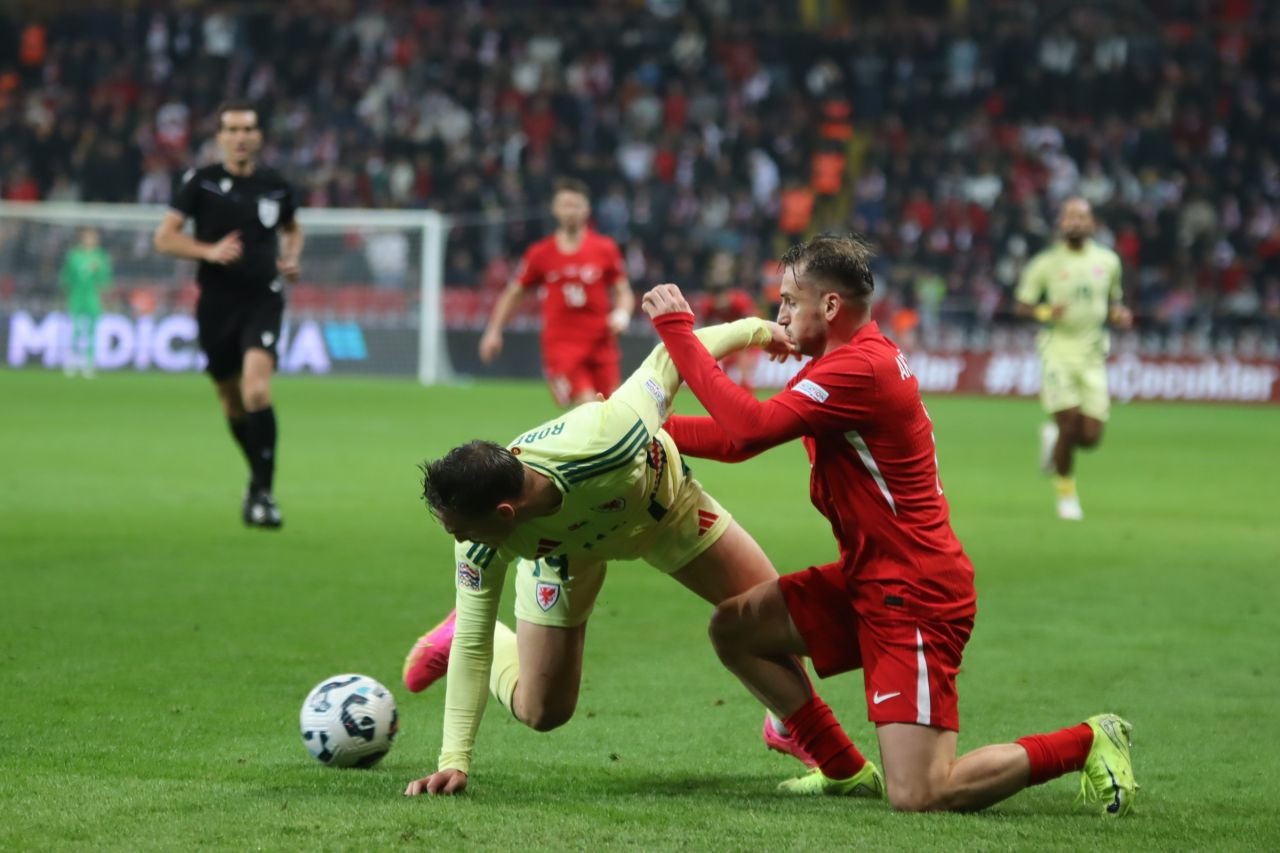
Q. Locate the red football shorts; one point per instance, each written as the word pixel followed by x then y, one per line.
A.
pixel 909 663
pixel 576 371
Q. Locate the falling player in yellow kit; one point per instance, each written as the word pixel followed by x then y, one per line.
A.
pixel 1073 289
pixel 601 482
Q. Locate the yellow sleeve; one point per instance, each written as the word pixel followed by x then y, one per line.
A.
pixel 1031 287
pixel 481 571
pixel 649 390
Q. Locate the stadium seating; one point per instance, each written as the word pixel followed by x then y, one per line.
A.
pixel 949 140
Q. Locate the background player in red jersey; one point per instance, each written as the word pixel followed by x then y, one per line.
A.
pixel 578 267
pixel 722 303
pixel 900 602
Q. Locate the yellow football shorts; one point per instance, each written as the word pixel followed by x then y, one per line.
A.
pixel 1076 384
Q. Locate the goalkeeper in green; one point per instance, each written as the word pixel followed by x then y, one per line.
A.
pixel 86 272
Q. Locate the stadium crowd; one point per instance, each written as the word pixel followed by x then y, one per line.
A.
pixel 712 133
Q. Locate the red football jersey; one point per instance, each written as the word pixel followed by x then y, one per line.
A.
pixel 875 477
pixel 576 300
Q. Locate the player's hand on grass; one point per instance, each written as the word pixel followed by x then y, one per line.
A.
pixel 490 345
pixel 665 299
pixel 289 268
pixel 780 348
pixel 225 251
pixel 443 782
pixel 1121 317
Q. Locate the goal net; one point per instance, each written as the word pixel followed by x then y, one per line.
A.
pixel 370 300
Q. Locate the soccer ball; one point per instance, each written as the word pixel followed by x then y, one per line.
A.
pixel 349 721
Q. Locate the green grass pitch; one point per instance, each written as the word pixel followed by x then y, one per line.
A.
pixel 154 654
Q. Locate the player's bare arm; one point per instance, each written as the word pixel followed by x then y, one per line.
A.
pixel 291 241
pixel 624 305
pixel 491 340
pixel 170 239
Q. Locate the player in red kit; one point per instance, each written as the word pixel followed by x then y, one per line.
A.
pixel 578 268
pixel 900 602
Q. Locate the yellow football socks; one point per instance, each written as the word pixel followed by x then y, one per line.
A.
pixel 1066 486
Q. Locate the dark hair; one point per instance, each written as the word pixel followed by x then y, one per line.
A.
pixel 237 105
pixel 570 185
pixel 472 479
pixel 839 262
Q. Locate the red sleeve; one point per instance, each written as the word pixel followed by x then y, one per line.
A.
pixel 751 425
pixel 703 438
pixel 530 272
pixel 836 395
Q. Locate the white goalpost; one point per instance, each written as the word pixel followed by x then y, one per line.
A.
pixel 370 301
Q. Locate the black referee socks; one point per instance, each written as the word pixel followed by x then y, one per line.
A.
pixel 260 447
pixel 240 431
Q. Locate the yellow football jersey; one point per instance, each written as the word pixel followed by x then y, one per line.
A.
pixel 617 474
pixel 1086 283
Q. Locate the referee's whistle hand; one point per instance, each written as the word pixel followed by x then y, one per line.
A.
pixel 225 251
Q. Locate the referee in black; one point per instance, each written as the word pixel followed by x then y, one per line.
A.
pixel 246 240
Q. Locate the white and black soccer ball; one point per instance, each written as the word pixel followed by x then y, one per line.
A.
pixel 349 721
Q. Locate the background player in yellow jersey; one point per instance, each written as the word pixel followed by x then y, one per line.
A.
pixel 1073 289
pixel 600 482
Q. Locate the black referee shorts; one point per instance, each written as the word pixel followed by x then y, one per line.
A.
pixel 230 323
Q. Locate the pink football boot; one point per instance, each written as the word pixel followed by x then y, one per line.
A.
pixel 429 657
pixel 787 744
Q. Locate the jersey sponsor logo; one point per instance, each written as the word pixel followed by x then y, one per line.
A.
pixel 615 505
pixel 268 212
pixel 812 390
pixel 659 396
pixel 546 594
pixel 469 576
pixel 878 697
pixel 589 274
pixel 706 520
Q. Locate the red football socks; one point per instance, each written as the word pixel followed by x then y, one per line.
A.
pixel 817 731
pixel 1057 753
